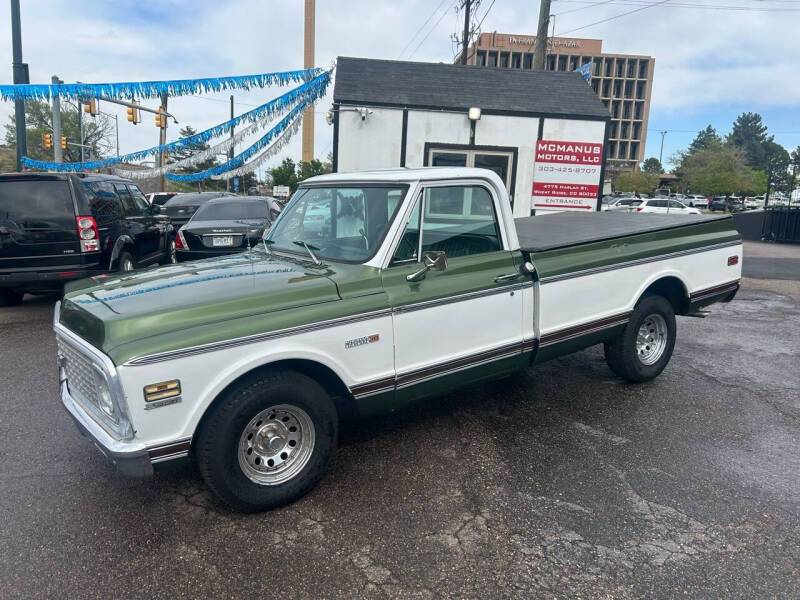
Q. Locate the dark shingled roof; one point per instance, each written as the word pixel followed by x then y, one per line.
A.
pixel 438 85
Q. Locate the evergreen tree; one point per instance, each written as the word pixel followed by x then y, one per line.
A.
pixel 749 134
pixel 706 138
pixel 652 166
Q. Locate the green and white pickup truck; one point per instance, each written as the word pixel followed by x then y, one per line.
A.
pixel 372 290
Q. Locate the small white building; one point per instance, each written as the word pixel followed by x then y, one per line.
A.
pixel 544 133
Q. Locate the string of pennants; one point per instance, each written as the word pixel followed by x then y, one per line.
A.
pixel 294 101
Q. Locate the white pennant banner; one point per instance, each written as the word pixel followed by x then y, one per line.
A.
pixel 271 151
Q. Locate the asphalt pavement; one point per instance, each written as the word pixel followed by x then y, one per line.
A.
pixel 564 483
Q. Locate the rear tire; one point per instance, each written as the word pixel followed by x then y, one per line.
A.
pixel 645 346
pixel 10 297
pixel 268 441
pixel 125 262
pixel 171 256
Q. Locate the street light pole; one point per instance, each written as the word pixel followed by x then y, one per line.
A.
pixel 58 155
pixel 661 152
pixel 20 75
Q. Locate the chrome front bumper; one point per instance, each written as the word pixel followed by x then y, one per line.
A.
pixel 130 458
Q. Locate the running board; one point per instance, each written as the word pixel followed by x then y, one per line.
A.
pixel 699 314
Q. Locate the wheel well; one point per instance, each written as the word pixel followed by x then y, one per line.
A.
pixel 673 290
pixel 327 378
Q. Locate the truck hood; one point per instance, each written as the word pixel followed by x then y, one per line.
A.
pixel 109 311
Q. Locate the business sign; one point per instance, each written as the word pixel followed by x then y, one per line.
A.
pixel 280 191
pixel 566 175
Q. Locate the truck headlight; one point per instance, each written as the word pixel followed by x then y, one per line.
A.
pixel 104 400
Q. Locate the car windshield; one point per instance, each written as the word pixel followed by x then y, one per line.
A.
pixel 231 210
pixel 345 223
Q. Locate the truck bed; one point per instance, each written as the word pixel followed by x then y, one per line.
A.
pixel 565 229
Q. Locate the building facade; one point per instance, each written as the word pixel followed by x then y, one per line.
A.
pixel 623 82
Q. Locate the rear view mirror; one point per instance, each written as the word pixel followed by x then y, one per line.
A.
pixel 432 260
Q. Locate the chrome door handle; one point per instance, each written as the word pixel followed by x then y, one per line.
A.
pixel 504 278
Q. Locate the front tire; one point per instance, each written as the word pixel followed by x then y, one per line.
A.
pixel 126 263
pixel 645 346
pixel 268 441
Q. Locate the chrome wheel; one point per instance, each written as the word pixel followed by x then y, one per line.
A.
pixel 651 339
pixel 127 265
pixel 173 253
pixel 276 444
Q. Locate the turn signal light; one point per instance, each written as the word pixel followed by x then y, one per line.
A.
pixel 163 390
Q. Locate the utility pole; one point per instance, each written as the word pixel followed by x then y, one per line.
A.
pixel 465 37
pixel 57 152
pixel 20 75
pixel 162 139
pixel 79 106
pixel 308 63
pixel 230 151
pixel 661 152
pixel 540 51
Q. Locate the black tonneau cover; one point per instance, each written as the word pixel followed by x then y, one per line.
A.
pixel 548 232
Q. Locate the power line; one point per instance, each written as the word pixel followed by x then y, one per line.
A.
pixel 592 5
pixel 629 12
pixel 413 37
pixel 430 31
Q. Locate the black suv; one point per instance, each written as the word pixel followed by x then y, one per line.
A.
pixel 57 227
pixel 725 203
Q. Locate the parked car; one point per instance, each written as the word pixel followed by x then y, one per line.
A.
pixel 57 227
pixel 181 207
pixel 696 201
pixel 226 226
pixel 246 363
pixel 160 198
pixel 625 203
pixel 665 206
pixel 753 202
pixel 726 204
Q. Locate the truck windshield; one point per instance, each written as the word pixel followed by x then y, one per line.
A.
pixel 344 223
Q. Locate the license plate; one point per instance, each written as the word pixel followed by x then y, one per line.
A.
pixel 222 241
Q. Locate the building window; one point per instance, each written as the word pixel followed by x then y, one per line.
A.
pixel 596 85
pixel 625 131
pixel 597 67
pixel 573 63
pixel 516 60
pixel 562 63
pixel 606 88
pixel 607 62
pixel 504 60
pixel 643 69
pixel 634 151
pixel 640 88
pixel 623 150
pixel 627 108
pixel 492 59
pixel 612 129
pixel 615 109
pixel 638 111
pixel 631 68
pixel 527 62
pixel 480 58
pixel 620 66
pixel 612 149
pixel 617 89
pixel 629 89
pixel 637 131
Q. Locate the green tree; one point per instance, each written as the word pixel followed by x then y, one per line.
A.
pixel 652 166
pixel 749 134
pixel 795 158
pixel 98 132
pixel 719 170
pixel 188 152
pixel 637 181
pixel 777 167
pixel 312 168
pixel 705 139
pixel 285 174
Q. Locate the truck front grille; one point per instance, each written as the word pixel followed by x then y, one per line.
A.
pixel 81 375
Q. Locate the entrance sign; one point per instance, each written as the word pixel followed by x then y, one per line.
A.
pixel 566 175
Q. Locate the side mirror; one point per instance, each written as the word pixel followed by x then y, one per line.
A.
pixel 156 209
pixel 431 260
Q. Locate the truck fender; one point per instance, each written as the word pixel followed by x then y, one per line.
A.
pixel 667 276
pixel 122 241
pixel 223 379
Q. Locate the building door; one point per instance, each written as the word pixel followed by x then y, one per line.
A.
pixel 499 161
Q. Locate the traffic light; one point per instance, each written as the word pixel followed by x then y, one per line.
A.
pixel 91 107
pixel 161 118
pixel 133 114
pixel 63 142
pixel 47 141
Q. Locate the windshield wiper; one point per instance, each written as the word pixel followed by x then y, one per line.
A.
pixel 267 244
pixel 310 249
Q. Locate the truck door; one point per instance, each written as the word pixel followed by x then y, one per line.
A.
pixel 464 323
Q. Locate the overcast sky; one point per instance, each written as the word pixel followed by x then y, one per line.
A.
pixel 711 64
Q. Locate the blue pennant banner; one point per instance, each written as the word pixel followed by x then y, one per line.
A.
pixel 241 158
pixel 127 90
pixel 303 95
